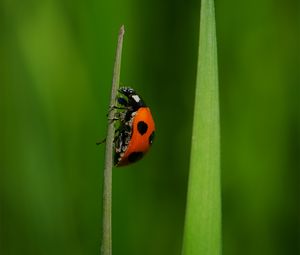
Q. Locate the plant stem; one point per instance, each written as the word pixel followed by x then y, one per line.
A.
pixel 106 247
pixel 202 233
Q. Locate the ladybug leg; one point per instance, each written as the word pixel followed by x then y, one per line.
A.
pixel 122 102
pixel 119 134
pixel 114 107
pixel 100 142
pixel 124 129
pixel 123 105
pixel 119 140
pixel 129 108
pixel 118 116
pixel 112 120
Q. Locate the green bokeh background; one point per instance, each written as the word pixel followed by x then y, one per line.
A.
pixel 56 61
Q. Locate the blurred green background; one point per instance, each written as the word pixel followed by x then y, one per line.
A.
pixel 56 61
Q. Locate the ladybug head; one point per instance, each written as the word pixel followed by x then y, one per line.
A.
pixel 133 99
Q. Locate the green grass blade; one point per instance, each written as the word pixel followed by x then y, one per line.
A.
pixel 202 233
pixel 106 247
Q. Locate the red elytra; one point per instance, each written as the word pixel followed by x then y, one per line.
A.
pixel 143 130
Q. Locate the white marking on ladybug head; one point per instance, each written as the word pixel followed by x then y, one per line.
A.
pixel 136 98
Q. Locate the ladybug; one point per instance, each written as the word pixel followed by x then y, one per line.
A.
pixel 135 133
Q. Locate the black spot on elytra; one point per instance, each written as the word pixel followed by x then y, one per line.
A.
pixel 151 138
pixel 135 156
pixel 142 127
